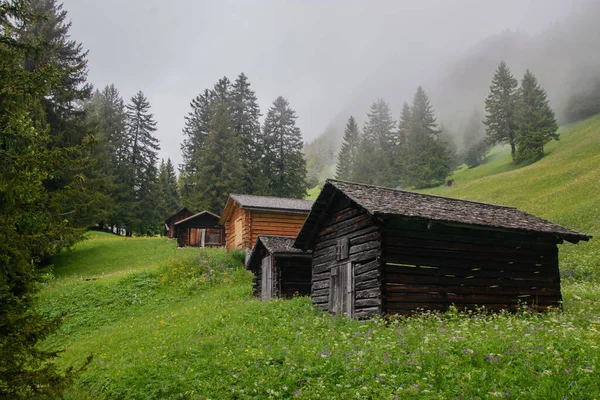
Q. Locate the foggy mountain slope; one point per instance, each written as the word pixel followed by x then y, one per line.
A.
pixel 565 57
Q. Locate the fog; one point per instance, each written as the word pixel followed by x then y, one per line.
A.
pixel 328 58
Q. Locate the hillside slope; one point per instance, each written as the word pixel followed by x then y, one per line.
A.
pixel 563 187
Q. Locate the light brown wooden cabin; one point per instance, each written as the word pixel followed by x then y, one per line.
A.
pixel 245 217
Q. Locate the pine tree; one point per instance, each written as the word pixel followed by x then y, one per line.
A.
pixel 427 160
pixel 284 161
pixel 379 129
pixel 31 225
pixel 142 148
pixel 536 124
pixel 401 143
pixel 220 171
pixel 169 193
pixel 222 91
pixel 69 126
pixel 197 125
pixel 500 107
pixel 348 151
pixel 245 114
pixel 474 147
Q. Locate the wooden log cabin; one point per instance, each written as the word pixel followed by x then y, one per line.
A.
pixel 245 217
pixel 170 222
pixel 279 269
pixel 378 250
pixel 200 230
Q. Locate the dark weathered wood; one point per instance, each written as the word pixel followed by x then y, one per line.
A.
pixel 469 289
pixel 362 268
pixel 435 260
pixel 368 293
pixel 320 299
pixel 453 280
pixel 366 312
pixel 375 244
pixel 369 302
pixel 320 292
pixel 448 244
pixel 320 284
pixel 371 274
pixel 465 298
pixel 354 237
pixel 450 254
pixel 372 284
pixel 505 273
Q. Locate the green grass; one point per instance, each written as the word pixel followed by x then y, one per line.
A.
pixel 105 253
pixel 313 193
pixel 164 323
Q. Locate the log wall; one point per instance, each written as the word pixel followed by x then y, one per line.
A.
pixel 433 267
pixel 274 224
pixel 230 231
pixel 345 219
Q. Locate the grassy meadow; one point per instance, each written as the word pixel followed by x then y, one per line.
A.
pixel 167 323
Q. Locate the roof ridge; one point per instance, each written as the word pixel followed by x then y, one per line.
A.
pixel 420 194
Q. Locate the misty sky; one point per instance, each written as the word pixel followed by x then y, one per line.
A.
pixel 320 55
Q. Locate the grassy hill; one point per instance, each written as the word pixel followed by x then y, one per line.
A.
pixel 563 187
pixel 167 323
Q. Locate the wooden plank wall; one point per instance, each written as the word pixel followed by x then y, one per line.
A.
pixel 346 219
pixel 436 267
pixel 230 229
pixel 294 276
pixel 275 224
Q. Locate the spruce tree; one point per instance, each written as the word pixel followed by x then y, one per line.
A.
pixel 31 225
pixel 195 131
pixel 220 171
pixel 68 125
pixel 379 130
pixel 245 114
pixel 168 187
pixel 501 107
pixel 348 151
pixel 536 124
pixel 401 142
pixel 142 148
pixel 427 160
pixel 283 160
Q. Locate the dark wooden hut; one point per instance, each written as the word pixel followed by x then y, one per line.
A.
pixel 245 217
pixel 378 250
pixel 170 222
pixel 200 230
pixel 279 269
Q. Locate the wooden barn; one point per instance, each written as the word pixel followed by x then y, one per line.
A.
pixel 279 269
pixel 245 217
pixel 378 250
pixel 200 230
pixel 170 222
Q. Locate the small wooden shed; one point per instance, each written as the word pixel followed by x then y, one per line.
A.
pixel 170 222
pixel 200 230
pixel 246 216
pixel 379 250
pixel 279 269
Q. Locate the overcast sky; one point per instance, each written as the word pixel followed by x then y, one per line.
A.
pixel 321 55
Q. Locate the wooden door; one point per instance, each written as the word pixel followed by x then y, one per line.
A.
pixel 341 289
pixel 267 278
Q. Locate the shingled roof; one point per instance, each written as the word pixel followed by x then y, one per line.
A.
pixel 275 245
pixel 266 203
pixel 384 201
pixel 276 203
